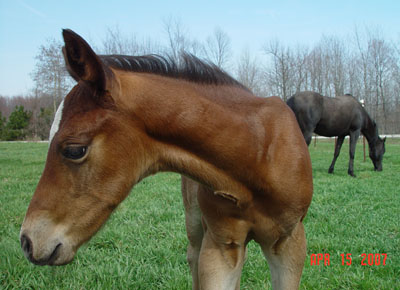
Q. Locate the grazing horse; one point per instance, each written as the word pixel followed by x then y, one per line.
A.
pixel 340 116
pixel 247 168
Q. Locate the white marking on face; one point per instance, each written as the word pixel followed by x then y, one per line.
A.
pixel 56 122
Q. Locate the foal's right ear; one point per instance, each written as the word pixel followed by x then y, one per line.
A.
pixel 82 62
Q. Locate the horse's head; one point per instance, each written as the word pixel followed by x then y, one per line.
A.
pixel 95 157
pixel 376 153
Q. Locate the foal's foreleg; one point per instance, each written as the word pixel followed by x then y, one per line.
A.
pixel 286 259
pixel 195 236
pixel 338 146
pixel 220 263
pixel 194 228
pixel 353 142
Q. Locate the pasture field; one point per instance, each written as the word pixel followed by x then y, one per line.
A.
pixel 143 245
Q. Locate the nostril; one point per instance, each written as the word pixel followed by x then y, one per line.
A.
pixel 26 245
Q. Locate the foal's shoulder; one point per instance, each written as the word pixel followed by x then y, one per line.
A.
pixel 274 101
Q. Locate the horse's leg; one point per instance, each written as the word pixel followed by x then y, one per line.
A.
pixel 194 228
pixel 221 261
pixel 353 142
pixel 286 259
pixel 338 146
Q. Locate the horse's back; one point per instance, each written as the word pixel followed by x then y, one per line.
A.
pixel 341 115
pixel 307 107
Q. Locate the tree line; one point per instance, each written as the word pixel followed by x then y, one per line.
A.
pixel 365 64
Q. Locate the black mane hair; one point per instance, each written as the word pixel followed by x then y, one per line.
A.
pixel 189 67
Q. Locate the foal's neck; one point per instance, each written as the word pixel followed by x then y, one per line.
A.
pixel 201 130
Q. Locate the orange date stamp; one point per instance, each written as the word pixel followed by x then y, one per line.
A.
pixel 371 259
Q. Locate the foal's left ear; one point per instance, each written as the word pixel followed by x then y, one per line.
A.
pixel 82 62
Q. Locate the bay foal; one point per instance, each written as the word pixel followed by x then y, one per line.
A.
pixel 130 117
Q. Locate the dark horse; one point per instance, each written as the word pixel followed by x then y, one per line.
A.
pixel 340 116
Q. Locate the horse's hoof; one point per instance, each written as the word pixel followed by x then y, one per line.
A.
pixel 330 171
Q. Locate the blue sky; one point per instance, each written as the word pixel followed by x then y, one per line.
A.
pixel 26 24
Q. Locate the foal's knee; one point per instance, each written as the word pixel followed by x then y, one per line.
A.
pixel 233 253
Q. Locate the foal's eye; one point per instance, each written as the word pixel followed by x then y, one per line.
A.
pixel 74 152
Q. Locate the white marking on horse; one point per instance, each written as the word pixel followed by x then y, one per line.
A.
pixel 56 123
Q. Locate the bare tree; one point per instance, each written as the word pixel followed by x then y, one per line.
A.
pixel 4 108
pixel 364 60
pixel 379 68
pixel 354 75
pixel 178 41
pixel 218 48
pixel 280 73
pixel 50 75
pixel 117 43
pixel 301 73
pixel 315 68
pixel 334 55
pixel 249 73
pixel 382 63
pixel 396 86
pixel 177 38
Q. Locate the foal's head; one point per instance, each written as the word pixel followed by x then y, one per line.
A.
pixel 95 157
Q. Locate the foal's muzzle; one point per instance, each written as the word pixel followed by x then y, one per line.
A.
pixel 45 243
pixel 27 247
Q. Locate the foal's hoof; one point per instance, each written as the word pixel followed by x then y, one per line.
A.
pixel 352 174
pixel 330 170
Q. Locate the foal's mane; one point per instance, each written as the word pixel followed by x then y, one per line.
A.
pixel 189 68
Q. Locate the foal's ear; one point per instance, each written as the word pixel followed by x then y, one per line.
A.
pixel 82 62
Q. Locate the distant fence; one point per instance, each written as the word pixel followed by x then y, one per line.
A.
pixel 380 135
pixel 361 139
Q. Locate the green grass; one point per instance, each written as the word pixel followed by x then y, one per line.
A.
pixel 143 245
